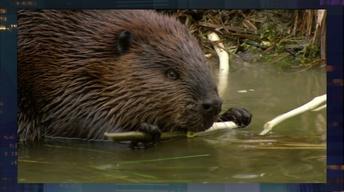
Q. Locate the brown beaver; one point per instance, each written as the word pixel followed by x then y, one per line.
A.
pixel 82 73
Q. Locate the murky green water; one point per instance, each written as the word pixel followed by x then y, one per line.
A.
pixel 294 152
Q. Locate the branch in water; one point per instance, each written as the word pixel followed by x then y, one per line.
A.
pixel 315 104
pixel 140 136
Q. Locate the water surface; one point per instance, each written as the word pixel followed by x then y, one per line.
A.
pixel 295 151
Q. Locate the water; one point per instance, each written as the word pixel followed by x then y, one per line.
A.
pixel 295 151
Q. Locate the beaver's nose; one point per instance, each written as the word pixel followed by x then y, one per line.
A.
pixel 212 106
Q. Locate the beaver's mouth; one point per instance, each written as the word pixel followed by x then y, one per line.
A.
pixel 192 119
pixel 200 124
pixel 208 124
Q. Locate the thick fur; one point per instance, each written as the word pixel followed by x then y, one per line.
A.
pixel 74 82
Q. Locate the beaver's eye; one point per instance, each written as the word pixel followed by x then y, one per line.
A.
pixel 172 74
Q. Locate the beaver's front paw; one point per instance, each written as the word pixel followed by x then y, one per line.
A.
pixel 240 116
pixel 153 131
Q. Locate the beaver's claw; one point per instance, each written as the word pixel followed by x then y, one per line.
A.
pixel 240 116
pixel 150 129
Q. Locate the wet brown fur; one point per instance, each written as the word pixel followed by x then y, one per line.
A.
pixel 73 82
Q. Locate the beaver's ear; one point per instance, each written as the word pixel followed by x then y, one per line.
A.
pixel 124 41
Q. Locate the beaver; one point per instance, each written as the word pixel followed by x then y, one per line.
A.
pixel 85 72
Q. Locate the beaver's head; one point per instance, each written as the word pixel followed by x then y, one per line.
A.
pixel 125 69
pixel 160 76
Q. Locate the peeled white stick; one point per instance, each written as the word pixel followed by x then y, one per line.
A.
pixel 139 136
pixel 217 126
pixel 222 125
pixel 314 105
pixel 320 108
pixel 224 62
